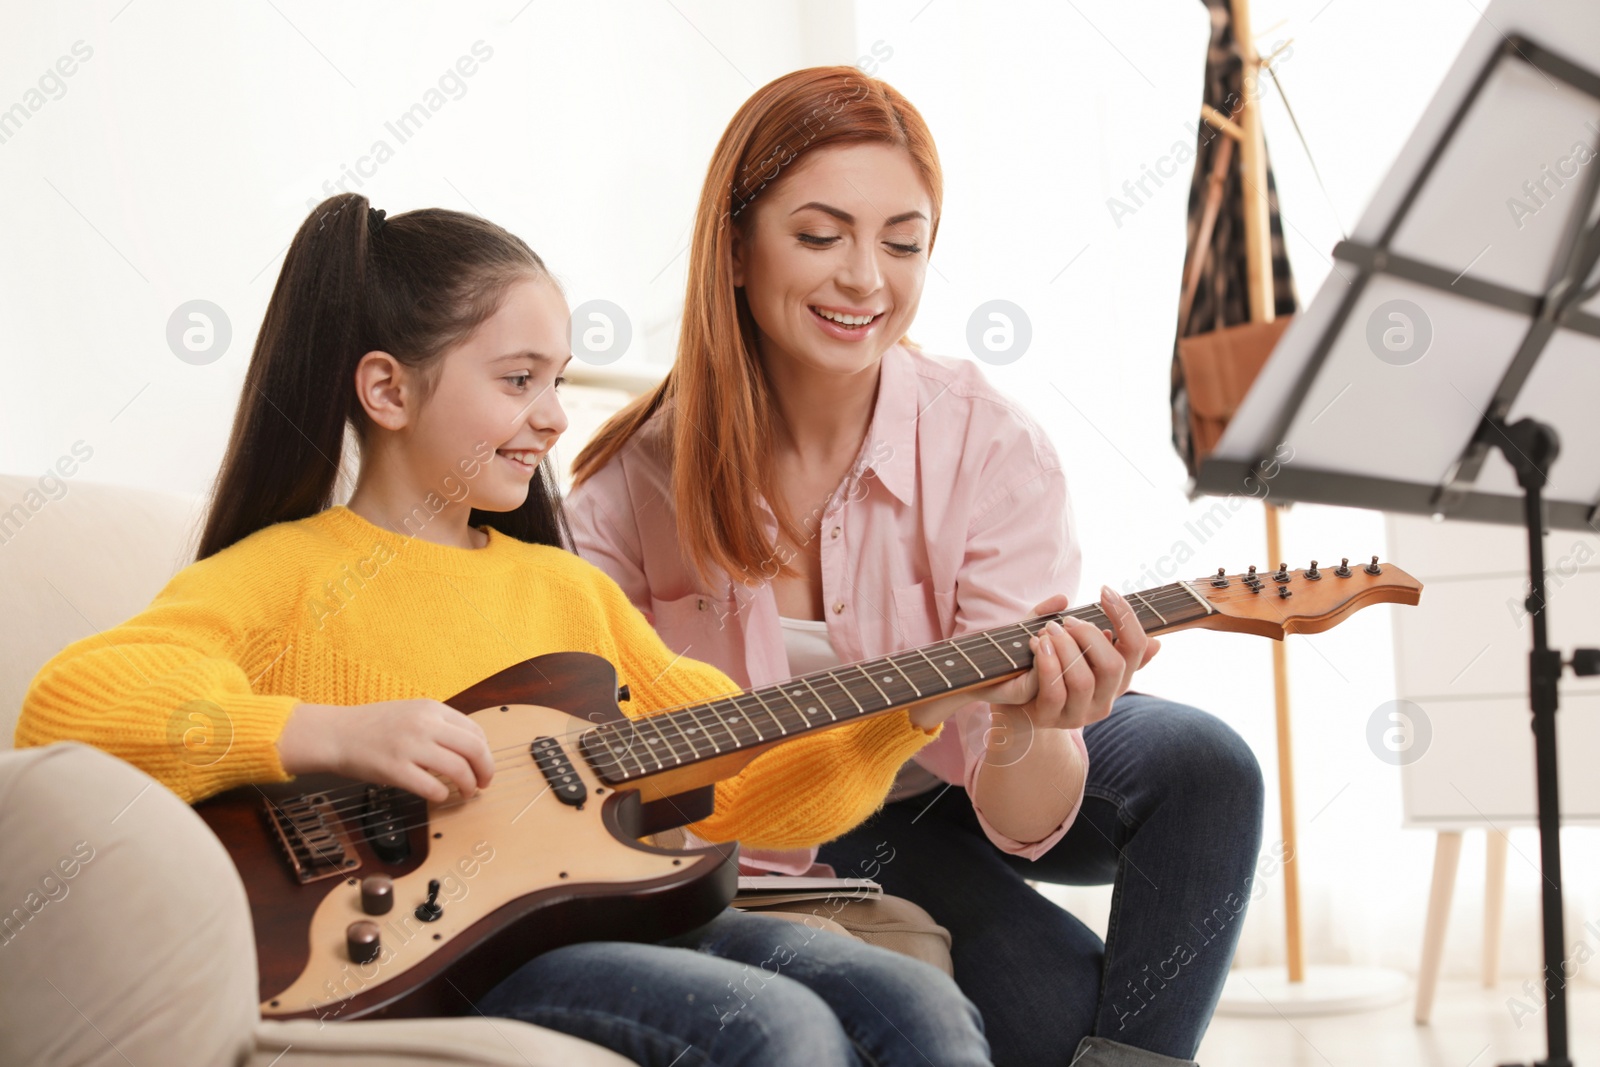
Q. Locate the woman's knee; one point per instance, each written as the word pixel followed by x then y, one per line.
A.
pixel 1190 757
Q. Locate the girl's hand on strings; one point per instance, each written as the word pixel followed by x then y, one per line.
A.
pixel 421 745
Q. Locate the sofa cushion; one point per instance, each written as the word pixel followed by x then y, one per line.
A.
pixel 87 558
pixel 125 933
pixel 126 937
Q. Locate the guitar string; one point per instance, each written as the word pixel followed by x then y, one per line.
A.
pixel 1169 596
pixel 1166 596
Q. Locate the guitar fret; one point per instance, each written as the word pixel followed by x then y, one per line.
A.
pixel 847 692
pixel 1002 650
pixel 890 660
pixel 862 670
pixel 618 748
pixel 645 727
pixel 942 676
pixel 700 729
pixel 970 662
pixel 741 714
pixel 666 720
pixel 790 698
pixel 721 720
pixel 782 732
pixel 821 700
pixel 1159 617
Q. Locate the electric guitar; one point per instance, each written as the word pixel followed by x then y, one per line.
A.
pixel 370 902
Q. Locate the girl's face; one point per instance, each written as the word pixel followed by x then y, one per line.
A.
pixel 833 259
pixel 494 413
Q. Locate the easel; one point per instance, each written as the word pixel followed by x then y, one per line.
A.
pixel 1261 991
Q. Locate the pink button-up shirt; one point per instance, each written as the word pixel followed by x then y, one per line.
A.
pixel 954 518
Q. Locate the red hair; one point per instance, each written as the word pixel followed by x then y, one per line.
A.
pixel 721 408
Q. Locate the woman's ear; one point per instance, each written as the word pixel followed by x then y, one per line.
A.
pixel 738 258
pixel 382 386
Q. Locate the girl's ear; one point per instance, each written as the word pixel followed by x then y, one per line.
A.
pixel 383 387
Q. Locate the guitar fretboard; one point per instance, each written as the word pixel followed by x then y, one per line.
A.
pixel 623 751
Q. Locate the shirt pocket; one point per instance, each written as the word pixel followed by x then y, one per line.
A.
pixel 685 620
pixel 917 611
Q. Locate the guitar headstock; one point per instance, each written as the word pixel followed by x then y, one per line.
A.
pixel 1306 601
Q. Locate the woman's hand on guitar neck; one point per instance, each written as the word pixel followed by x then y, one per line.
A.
pixel 1078 670
pixel 412 744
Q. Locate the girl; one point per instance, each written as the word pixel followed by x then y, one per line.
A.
pixel 318 638
pixel 805 488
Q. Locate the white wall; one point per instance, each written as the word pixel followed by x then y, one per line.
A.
pixel 180 157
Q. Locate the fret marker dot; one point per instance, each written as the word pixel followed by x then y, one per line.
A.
pixel 1016 644
pixel 949 663
pixel 655 740
pixel 811 711
pixel 693 730
pixel 888 678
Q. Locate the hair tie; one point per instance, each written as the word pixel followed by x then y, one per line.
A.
pixel 375 218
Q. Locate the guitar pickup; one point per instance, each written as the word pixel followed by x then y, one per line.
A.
pixel 551 758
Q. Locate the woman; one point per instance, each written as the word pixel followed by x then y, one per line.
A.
pixel 805 488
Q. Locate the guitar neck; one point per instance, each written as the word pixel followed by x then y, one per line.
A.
pixel 633 749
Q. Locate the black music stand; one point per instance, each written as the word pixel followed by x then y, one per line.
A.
pixel 1466 304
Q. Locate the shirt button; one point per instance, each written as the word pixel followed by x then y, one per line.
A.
pixel 838 609
pixel 835 532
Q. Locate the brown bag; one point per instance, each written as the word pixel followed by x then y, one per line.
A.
pixel 1218 368
pixel 890 922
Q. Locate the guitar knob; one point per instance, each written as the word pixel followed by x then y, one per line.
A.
pixel 377 894
pixel 362 942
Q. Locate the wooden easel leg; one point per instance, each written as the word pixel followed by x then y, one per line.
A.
pixel 1446 857
pixel 1291 849
pixel 1494 903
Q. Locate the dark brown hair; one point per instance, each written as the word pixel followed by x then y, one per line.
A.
pixel 414 286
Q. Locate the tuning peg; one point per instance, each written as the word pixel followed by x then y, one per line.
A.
pixel 1313 573
pixel 1283 573
pixel 1373 568
pixel 1221 580
pixel 1344 568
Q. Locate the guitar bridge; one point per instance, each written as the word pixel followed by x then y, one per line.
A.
pixel 313 838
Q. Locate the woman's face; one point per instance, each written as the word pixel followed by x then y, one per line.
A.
pixel 833 258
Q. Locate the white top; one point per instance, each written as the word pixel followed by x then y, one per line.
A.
pixel 809 648
pixel 808 645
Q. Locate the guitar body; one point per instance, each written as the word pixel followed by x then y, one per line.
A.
pixel 521 869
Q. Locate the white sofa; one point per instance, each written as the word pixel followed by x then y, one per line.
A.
pixel 146 954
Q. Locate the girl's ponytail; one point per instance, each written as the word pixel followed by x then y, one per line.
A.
pixel 353 282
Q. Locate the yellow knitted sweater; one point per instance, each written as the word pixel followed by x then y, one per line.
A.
pixel 336 610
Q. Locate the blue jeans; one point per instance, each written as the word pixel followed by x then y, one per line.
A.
pixel 751 990
pixel 1171 816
